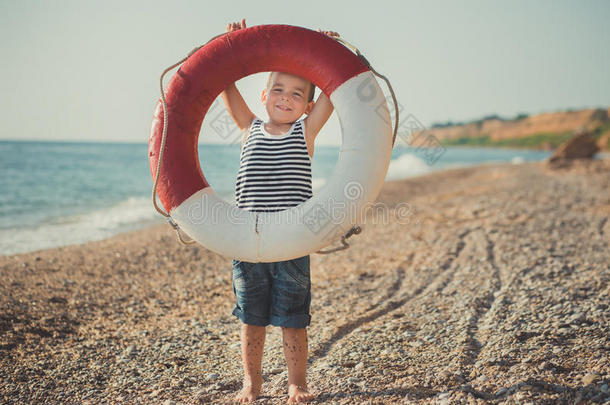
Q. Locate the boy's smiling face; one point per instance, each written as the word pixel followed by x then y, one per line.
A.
pixel 286 98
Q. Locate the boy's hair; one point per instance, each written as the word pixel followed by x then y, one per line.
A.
pixel 311 86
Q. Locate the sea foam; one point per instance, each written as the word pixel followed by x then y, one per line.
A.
pixel 129 214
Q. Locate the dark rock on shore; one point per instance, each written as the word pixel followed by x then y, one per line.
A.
pixel 582 145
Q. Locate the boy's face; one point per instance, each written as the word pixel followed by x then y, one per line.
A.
pixel 286 98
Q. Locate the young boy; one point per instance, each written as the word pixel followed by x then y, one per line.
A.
pixel 275 174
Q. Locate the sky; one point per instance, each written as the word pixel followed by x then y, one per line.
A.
pixel 89 70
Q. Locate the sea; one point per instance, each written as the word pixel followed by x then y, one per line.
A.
pixel 63 193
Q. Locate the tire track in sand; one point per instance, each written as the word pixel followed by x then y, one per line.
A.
pixel 394 302
pixel 480 304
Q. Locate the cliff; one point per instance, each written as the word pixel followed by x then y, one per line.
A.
pixel 542 131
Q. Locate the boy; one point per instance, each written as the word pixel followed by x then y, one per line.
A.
pixel 275 174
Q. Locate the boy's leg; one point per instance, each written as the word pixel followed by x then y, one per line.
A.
pixel 295 351
pixel 252 344
pixel 252 291
pixel 290 300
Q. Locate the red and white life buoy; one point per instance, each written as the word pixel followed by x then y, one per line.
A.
pixel 363 161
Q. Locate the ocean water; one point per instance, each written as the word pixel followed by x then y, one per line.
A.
pixel 61 193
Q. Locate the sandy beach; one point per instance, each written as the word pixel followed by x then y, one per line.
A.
pixel 475 285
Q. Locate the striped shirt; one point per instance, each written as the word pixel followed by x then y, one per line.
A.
pixel 275 170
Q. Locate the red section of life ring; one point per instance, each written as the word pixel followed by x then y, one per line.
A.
pixel 224 60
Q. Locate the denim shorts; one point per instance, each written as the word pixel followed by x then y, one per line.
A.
pixel 275 293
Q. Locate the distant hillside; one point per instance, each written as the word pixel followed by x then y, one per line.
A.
pixel 542 131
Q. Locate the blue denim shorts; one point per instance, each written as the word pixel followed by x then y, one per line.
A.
pixel 276 293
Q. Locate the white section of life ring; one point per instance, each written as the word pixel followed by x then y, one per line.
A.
pixel 363 163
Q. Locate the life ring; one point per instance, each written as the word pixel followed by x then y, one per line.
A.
pixel 358 176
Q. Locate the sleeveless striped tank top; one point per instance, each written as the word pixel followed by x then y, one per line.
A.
pixel 275 170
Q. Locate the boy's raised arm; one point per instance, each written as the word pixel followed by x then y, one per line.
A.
pixel 321 111
pixel 315 120
pixel 237 107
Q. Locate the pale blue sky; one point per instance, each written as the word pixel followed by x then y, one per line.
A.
pixel 88 70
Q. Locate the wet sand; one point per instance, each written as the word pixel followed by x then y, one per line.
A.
pixel 476 285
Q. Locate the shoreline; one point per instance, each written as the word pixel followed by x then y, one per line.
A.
pixel 146 224
pixel 495 290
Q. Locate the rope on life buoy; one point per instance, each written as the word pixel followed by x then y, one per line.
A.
pixel 355 230
pixel 162 147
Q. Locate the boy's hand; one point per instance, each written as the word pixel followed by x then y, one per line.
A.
pixel 236 25
pixel 329 33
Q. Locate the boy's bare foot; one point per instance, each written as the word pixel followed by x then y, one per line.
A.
pixel 298 393
pixel 248 393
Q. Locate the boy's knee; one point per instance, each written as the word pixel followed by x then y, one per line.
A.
pixel 288 329
pixel 255 328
